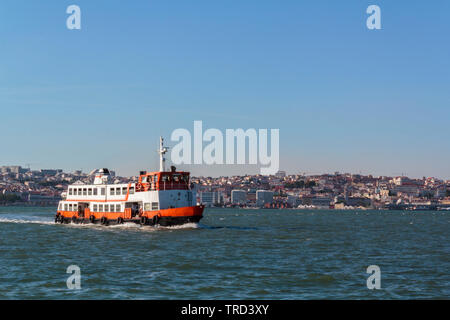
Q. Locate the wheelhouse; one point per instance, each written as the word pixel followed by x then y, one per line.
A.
pixel 157 181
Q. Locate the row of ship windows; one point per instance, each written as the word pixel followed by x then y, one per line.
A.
pixel 95 207
pixel 107 207
pixel 95 191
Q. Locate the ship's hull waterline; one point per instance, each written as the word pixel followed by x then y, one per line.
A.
pixel 167 217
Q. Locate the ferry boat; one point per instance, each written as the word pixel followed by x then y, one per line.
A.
pixel 158 198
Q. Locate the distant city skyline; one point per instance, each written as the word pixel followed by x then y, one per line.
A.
pixel 250 173
pixel 344 98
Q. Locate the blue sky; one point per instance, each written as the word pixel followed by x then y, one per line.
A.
pixel 345 98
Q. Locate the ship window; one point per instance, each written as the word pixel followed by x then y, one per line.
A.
pixel 102 191
pixel 111 191
pixel 95 191
pixel 118 208
pixel 131 190
pixel 90 192
pixel 70 191
pixel 66 208
pixel 95 208
pixel 84 191
pixel 100 208
pixel 118 191
pixel 147 207
pixel 154 205
pixel 124 191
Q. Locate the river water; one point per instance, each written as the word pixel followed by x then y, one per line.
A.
pixel 230 254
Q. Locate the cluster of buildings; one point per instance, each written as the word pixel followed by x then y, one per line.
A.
pixel 335 191
pixel 23 186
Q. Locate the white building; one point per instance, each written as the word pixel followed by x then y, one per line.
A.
pixel 263 197
pixel 211 198
pixel 238 196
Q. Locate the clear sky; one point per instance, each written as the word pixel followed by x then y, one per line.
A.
pixel 345 98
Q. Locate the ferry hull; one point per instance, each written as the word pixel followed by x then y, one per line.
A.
pixel 165 217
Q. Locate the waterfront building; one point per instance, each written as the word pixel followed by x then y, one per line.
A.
pixel 211 198
pixel 238 196
pixel 251 196
pixel 321 202
pixel 264 197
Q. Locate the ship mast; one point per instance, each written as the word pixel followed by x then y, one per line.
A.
pixel 162 150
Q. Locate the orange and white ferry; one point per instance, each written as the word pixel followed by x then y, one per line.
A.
pixel 158 198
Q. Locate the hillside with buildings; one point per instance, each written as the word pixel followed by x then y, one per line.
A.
pixel 334 191
pixel 22 186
